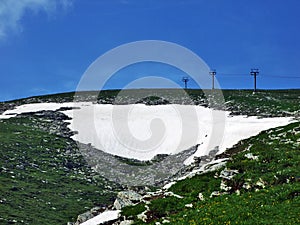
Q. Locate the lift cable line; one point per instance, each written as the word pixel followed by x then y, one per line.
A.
pixel 282 76
pixel 265 75
pixel 185 80
pixel 213 74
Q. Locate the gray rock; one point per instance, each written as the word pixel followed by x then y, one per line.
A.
pixel 126 198
pixel 217 193
pixel 96 210
pixel 121 203
pixel 121 171
pixel 83 217
pixel 126 222
pixel 131 195
pixel 201 197
pixel 228 174
pixel 214 151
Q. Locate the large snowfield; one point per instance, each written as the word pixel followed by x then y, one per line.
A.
pixel 141 132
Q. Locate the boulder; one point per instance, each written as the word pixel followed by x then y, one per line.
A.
pixel 126 198
pixel 83 217
pixel 121 203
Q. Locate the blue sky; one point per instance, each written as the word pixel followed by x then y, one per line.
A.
pixel 46 45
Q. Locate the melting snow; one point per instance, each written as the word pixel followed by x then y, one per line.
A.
pixel 141 132
pixel 103 217
pixel 34 107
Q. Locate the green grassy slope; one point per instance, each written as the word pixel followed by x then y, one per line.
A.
pixel 44 180
pixel 266 190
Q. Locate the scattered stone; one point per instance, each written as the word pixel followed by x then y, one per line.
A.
pixel 189 205
pixel 224 187
pixel 126 222
pixel 251 156
pixel 246 186
pixel 169 193
pixel 228 174
pixel 201 197
pixel 143 216
pixel 260 183
pixel 215 194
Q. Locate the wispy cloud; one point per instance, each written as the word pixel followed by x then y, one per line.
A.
pixel 12 12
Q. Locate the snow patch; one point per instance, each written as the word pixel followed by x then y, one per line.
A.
pixel 103 217
pixel 34 107
pixel 99 125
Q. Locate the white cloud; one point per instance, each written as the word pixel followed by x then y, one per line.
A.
pixel 12 11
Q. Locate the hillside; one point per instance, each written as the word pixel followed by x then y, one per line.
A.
pixel 45 180
pixel 260 184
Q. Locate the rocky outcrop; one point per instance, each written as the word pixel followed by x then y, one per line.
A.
pixel 126 172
